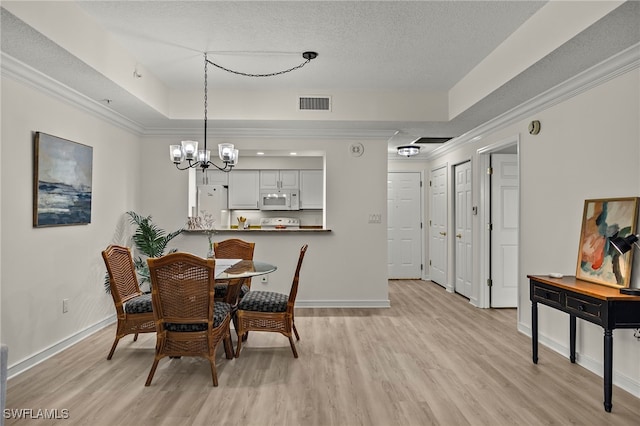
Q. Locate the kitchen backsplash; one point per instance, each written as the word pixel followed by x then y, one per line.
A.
pixel 307 217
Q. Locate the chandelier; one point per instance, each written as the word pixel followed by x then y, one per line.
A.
pixel 188 150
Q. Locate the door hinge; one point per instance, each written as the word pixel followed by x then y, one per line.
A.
pixel 490 171
pixel 429 183
pixel 489 282
pixel 422 266
pixel 420 184
pixel 420 225
pixel 429 262
pixel 429 222
pixel 490 226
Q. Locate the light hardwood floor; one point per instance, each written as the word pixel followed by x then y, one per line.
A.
pixel 431 359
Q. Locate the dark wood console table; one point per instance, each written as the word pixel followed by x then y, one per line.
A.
pixel 598 304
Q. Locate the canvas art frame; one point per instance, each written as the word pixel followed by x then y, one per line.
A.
pixel 62 181
pixel 603 219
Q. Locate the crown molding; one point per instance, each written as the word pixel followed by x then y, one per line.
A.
pixel 611 68
pixel 598 74
pixel 274 133
pixel 23 73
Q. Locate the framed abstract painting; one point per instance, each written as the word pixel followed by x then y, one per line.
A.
pixel 603 219
pixel 61 182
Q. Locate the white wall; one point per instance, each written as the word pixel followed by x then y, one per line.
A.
pixel 583 143
pixel 42 266
pixel 346 267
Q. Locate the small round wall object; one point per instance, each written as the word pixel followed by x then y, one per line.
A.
pixel 534 127
pixel 356 149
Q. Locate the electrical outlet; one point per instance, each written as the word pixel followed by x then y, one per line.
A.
pixel 264 279
pixel 65 306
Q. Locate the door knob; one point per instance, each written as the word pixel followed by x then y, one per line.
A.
pixel 443 233
pixel 458 235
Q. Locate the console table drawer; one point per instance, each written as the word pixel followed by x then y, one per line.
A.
pixel 585 308
pixel 547 296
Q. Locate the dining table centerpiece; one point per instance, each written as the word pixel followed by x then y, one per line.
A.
pixel 205 223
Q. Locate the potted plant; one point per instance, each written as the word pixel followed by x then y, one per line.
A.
pixel 150 241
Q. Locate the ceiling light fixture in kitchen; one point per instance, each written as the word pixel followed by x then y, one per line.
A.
pixel 188 150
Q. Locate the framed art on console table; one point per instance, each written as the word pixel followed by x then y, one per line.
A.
pixel 603 219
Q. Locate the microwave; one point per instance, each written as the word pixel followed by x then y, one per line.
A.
pixel 280 199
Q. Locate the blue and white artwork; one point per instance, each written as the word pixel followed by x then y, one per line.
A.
pixel 62 193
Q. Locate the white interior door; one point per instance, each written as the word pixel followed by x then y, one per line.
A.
pixel 463 237
pixel 438 227
pixel 504 234
pixel 404 225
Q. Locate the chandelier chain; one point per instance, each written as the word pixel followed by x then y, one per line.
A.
pixel 273 74
pixel 228 154
pixel 205 100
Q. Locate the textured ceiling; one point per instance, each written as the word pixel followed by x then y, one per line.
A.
pixel 395 46
pixel 362 44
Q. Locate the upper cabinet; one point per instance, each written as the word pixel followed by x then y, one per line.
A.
pixel 279 179
pixel 216 177
pixel 211 176
pixel 244 189
pixel 311 189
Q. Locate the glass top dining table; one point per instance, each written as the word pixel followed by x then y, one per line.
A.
pixel 227 269
pixel 234 272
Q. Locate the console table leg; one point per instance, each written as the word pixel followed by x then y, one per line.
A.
pixel 572 338
pixel 608 369
pixel 534 331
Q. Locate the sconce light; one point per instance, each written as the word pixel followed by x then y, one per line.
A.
pixel 623 245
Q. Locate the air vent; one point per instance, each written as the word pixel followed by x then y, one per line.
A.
pixel 432 140
pixel 314 103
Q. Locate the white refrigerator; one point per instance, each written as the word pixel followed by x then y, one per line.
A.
pixel 213 200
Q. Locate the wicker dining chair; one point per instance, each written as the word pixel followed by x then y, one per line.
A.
pixel 189 321
pixel 270 311
pixel 233 248
pixel 133 308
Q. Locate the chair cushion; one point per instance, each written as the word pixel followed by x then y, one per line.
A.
pixel 221 310
pixel 139 305
pixel 221 291
pixel 264 301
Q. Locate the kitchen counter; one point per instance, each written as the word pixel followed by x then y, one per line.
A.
pixel 305 229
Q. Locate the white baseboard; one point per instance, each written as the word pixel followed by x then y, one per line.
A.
pixel 343 303
pixel 33 360
pixel 594 365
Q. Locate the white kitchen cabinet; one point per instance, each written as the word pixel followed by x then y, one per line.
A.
pixel 212 176
pixel 311 189
pixel 217 177
pixel 279 179
pixel 244 189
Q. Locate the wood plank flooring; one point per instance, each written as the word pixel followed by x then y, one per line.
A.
pixel 431 359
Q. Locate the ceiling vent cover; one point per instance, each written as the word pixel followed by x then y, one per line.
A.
pixel 314 103
pixel 432 140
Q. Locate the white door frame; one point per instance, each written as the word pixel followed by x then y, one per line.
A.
pixel 472 293
pixel 446 284
pixel 484 162
pixel 423 260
